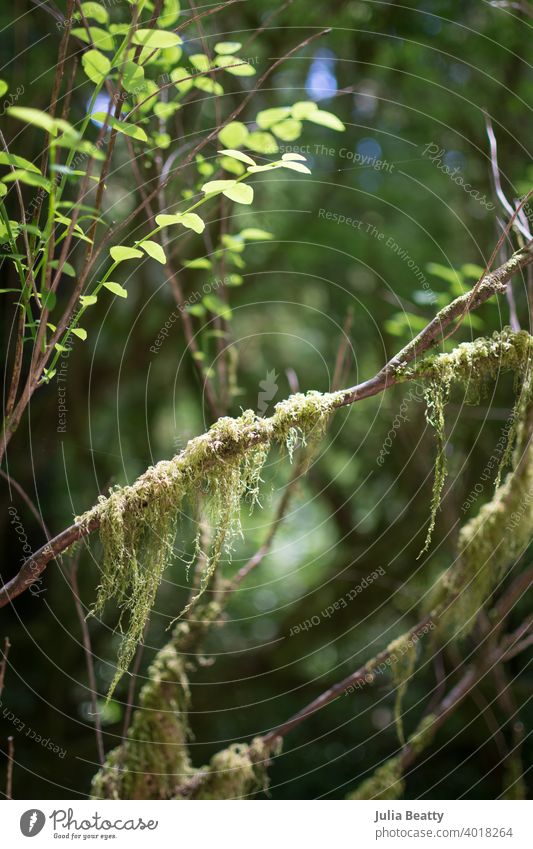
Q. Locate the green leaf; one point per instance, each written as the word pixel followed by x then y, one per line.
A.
pixel 233 280
pixel 29 178
pixel 96 37
pixel 18 162
pixel 296 166
pixel 156 38
pixel 238 154
pixel 209 85
pixel 181 78
pixel 472 271
pixel 170 14
pixel 233 135
pixel 268 117
pixel 200 61
pixel 235 65
pixel 133 77
pixel 303 108
pixel 186 219
pixel 217 306
pixel 48 299
pixel 232 165
pixel 116 289
pixel 121 126
pixel 253 234
pixel 201 262
pixel 34 117
pixel 223 48
pixel 240 193
pixel 445 273
pixel 215 187
pixel 325 119
pixel 192 222
pixel 165 110
pixel 3 190
pixel 80 333
pixel 88 300
pixel 162 140
pixel 262 142
pixel 293 157
pixel 154 250
pixel 196 309
pixel 95 11
pixel 3 87
pixel 95 65
pixel 66 268
pixel 205 169
pixel 288 130
pixel 234 243
pixel 120 253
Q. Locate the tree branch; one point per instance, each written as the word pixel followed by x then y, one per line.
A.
pixel 493 283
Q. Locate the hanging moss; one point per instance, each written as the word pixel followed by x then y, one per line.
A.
pixel 154 759
pixel 138 523
pixel 473 365
pixel 403 653
pixel 488 545
pixel 387 782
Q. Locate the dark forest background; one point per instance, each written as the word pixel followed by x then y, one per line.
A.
pixel 402 78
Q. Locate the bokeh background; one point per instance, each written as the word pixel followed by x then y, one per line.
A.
pixel 402 77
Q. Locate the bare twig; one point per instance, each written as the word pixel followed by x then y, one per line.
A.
pixel 10 762
pixel 358 679
pixel 27 500
pixel 3 663
pixel 87 650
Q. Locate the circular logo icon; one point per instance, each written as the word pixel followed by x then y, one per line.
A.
pixel 32 822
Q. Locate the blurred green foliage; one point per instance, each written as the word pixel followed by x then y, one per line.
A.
pixel 400 79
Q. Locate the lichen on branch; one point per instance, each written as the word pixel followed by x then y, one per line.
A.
pixel 473 366
pixel 138 523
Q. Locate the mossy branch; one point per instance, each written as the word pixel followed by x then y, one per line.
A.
pixel 387 782
pixel 491 284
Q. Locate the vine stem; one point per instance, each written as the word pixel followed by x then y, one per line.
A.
pixel 492 283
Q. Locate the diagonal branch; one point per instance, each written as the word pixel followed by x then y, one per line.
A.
pixel 493 283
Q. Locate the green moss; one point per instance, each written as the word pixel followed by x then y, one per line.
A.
pixel 473 365
pixel 138 523
pixel 154 759
pixel 403 654
pixel 488 544
pixel 387 782
pixel 236 772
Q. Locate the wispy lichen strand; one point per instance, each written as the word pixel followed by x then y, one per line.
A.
pixel 472 365
pixel 138 523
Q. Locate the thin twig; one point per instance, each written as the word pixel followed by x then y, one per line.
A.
pixel 344 343
pixel 88 652
pixel 3 663
pixel 9 771
pixel 27 500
